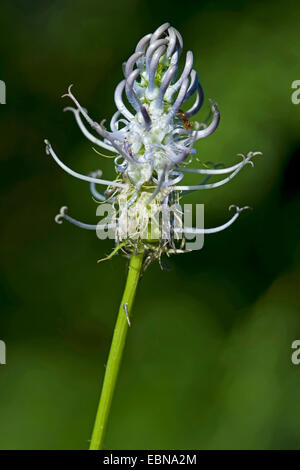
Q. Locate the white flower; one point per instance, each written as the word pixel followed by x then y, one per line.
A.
pixel 151 137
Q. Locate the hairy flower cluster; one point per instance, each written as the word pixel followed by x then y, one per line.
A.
pixel 152 139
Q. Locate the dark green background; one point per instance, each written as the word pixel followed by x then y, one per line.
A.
pixel 208 358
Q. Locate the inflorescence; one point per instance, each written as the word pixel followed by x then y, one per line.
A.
pixel 152 140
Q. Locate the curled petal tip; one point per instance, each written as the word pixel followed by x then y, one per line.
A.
pixel 69 91
pixel 159 31
pixel 48 146
pixel 96 173
pixel 69 108
pixel 250 155
pixel 239 209
pixel 60 216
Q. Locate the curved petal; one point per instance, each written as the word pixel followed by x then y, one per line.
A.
pixel 213 125
pixel 87 134
pixel 50 151
pixel 215 229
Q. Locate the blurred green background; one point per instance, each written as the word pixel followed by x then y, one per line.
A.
pixel 208 358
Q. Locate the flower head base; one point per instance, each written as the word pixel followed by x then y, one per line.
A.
pixel 152 140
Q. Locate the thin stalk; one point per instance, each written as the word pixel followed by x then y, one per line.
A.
pixel 116 352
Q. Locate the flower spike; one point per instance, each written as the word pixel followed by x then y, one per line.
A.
pixel 152 139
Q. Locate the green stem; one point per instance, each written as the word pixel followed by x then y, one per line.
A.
pixel 116 352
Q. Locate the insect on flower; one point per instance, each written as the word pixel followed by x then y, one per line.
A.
pixel 182 115
pixel 152 141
